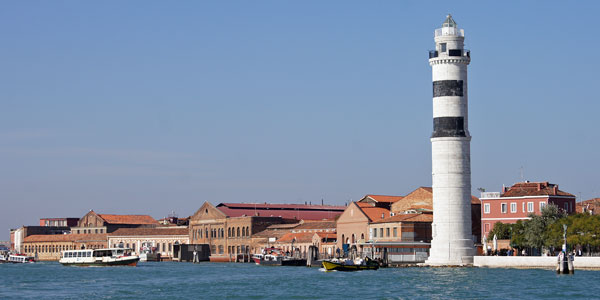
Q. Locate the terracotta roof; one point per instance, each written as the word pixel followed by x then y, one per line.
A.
pixel 475 200
pixel 128 219
pixel 317 225
pixel 283 226
pixel 385 198
pixel 522 189
pixel 150 231
pixel 288 211
pixel 374 213
pixel 301 237
pixel 271 233
pixel 65 237
pixel 407 218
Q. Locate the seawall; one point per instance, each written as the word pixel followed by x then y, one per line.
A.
pixel 534 262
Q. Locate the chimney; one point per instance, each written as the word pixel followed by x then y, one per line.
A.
pixel 555 189
pixel 539 186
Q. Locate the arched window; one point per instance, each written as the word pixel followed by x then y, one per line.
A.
pixel 229 232
pixel 362 236
pixel 248 230
pixel 343 239
pixel 353 239
pixel 243 231
pixel 238 233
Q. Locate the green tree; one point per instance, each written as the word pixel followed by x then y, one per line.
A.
pixel 501 230
pixel 536 228
pixel 518 234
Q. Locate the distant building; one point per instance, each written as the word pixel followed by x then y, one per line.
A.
pixel 49 246
pixel 94 223
pixel 588 206
pixel 17 236
pixel 521 200
pixel 64 222
pixel 163 239
pixel 229 227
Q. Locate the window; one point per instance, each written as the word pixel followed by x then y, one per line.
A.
pixel 523 206
pixel 380 232
pixel 542 205
pixel 567 206
pixel 171 248
pixel 375 232
pixel 486 208
pixel 395 231
pixel 486 227
pixel 513 207
pixel 387 232
pixel 443 47
pixel 503 208
pixel 529 206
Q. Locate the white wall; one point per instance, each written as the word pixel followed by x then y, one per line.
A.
pixel 580 262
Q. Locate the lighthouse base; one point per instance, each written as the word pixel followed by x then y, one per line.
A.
pixel 451 253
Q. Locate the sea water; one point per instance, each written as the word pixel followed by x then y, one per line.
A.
pixel 170 280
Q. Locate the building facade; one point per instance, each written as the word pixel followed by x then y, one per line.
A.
pixel 48 247
pixel 521 200
pixel 162 239
pixel 94 223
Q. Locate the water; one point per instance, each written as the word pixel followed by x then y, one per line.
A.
pixel 230 281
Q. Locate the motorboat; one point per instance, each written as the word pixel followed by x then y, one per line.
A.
pixel 148 253
pixel 350 265
pixel 276 257
pixel 99 257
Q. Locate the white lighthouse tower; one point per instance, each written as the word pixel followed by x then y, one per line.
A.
pixel 452 242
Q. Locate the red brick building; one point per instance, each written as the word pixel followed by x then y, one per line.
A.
pixel 520 200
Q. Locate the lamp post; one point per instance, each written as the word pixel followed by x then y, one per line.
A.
pixel 565 238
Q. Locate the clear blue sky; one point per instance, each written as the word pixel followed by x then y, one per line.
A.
pixel 147 107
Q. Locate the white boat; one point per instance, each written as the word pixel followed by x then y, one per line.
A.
pixel 148 253
pixel 20 259
pixel 99 257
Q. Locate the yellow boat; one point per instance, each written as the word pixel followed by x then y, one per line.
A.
pixel 340 266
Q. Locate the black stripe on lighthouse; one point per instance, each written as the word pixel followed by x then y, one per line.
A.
pixel 447 88
pixel 448 127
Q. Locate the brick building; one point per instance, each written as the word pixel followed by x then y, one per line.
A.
pixel 520 200
pixel 163 239
pixel 49 246
pixel 94 223
pixel 17 236
pixel 353 225
pixel 64 222
pixel 229 227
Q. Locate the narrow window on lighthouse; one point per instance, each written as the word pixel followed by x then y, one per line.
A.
pixel 443 47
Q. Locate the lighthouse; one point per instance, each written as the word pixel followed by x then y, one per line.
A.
pixel 452 242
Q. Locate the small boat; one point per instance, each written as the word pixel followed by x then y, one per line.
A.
pixel 148 253
pixel 349 265
pixel 99 257
pixel 275 257
pixel 20 259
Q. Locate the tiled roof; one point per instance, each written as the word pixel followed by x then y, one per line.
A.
pixel 271 233
pixel 283 226
pixel 301 237
pixel 128 219
pixel 150 231
pixel 475 200
pixel 385 198
pixel 408 218
pixel 522 189
pixel 374 213
pixel 287 211
pixel 316 225
pixel 65 238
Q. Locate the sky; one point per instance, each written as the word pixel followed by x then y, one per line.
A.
pixel 149 107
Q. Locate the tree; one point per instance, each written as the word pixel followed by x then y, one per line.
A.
pixel 582 229
pixel 501 230
pixel 536 228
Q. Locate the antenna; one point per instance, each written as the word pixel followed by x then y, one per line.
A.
pixel 521 169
